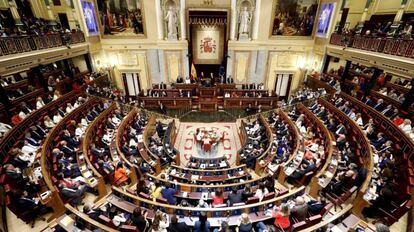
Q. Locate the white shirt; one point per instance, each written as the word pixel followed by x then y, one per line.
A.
pixel 84 122
pixel 116 120
pixel 49 124
pixel 28 149
pixel 360 122
pixel 69 109
pixel 133 143
pixel 22 115
pixel 4 128
pixel 412 135
pixel 79 131
pixel 28 158
pixel 406 128
pixel 260 194
pixel 55 97
pixel 39 104
pixel 57 118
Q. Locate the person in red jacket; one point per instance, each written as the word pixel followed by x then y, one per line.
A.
pixel 281 215
pixel 16 119
pixel 218 198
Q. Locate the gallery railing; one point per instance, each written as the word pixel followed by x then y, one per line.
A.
pixel 27 43
pixel 392 46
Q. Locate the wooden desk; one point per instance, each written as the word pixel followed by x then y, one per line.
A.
pixel 129 207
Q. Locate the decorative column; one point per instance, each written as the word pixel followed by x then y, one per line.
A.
pixel 365 12
pixel 256 20
pixel 233 19
pixel 13 10
pixel 182 20
pixel 158 13
pixel 400 12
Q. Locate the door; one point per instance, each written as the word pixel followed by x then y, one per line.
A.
pixel 63 18
pixel 282 85
pixel 132 84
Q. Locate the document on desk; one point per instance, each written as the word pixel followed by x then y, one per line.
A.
pixel 66 221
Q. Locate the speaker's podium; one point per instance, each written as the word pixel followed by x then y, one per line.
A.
pixel 207 101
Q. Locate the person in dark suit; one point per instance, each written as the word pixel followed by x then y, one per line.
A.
pixel 129 151
pixel 383 201
pixel 99 152
pixel 61 112
pixel 379 141
pixel 307 166
pixel 32 141
pixel 40 130
pixel 176 226
pixel 66 149
pixel 162 109
pixel 234 197
pixel 380 105
pixel 369 102
pixel 388 111
pixel 92 213
pixel 139 219
pixel 340 130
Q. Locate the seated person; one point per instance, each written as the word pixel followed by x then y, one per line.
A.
pixel 120 176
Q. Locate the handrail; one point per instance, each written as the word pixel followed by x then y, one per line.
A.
pixel 298 140
pixel 329 140
pixel 291 126
pixel 174 207
pixel 26 43
pixel 385 45
pixel 397 87
pixel 120 132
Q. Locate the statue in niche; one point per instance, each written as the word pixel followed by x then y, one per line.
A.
pixel 244 23
pixel 172 20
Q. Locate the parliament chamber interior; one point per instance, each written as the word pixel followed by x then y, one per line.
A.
pixel 206 115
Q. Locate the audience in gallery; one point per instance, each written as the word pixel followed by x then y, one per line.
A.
pixel 304 94
pixel 107 92
pixel 381 29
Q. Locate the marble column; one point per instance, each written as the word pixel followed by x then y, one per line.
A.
pixel 399 14
pixel 182 20
pixel 13 10
pixel 158 13
pixel 364 15
pixel 233 19
pixel 255 32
